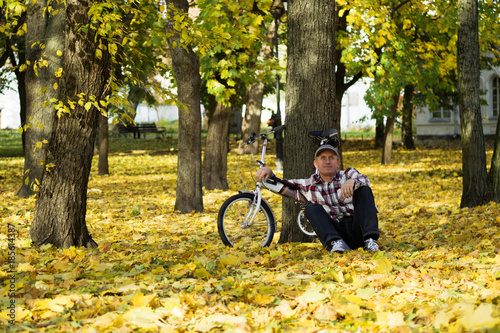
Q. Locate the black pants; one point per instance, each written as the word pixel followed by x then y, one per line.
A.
pixel 353 229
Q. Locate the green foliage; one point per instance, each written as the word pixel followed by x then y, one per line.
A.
pixel 399 43
pixel 237 30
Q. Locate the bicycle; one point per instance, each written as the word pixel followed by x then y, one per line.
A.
pixel 246 217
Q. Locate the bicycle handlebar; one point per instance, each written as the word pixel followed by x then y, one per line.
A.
pixel 253 137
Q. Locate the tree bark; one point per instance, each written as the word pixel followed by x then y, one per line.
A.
pixel 379 132
pixel 252 119
pixel 186 66
pixel 255 93
pixel 310 94
pixel 216 149
pixel 61 204
pixel 389 132
pixel 42 28
pixel 103 165
pixel 473 149
pixel 407 121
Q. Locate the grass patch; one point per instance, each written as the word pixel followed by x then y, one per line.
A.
pixel 10 143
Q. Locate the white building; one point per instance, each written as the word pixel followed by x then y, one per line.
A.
pixel 446 122
pixel 10 108
pixel 356 115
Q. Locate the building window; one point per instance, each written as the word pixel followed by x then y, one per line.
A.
pixel 353 99
pixel 441 114
pixel 496 96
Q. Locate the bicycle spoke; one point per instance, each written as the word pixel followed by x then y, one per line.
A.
pixel 236 229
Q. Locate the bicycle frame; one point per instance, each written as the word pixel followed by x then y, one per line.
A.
pixel 258 192
pixel 278 187
pixel 275 187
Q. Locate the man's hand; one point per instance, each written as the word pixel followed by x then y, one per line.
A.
pixel 263 174
pixel 347 189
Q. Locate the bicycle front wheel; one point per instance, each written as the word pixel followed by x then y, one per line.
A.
pixel 234 225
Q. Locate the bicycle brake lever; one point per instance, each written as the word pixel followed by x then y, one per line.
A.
pixel 251 138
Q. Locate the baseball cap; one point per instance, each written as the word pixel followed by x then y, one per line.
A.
pixel 324 147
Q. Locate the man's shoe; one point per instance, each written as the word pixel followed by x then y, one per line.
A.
pixel 371 245
pixel 339 246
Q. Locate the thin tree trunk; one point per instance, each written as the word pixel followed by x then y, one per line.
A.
pixel 252 119
pixel 103 165
pixel 255 93
pixel 310 94
pixel 407 121
pixel 389 132
pixel 186 66
pixel 39 113
pixel 493 187
pixel 473 150
pixel 216 149
pixel 61 204
pixel 379 132
pixel 20 43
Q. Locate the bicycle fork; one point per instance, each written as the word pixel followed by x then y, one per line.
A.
pixel 254 209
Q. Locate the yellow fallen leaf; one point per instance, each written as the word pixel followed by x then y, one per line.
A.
pixel 382 266
pixel 263 299
pixel 158 270
pixel 442 319
pixel 144 318
pixel 229 259
pixel 141 300
pixel 201 273
pixel 313 295
pixel 481 317
pixel 107 320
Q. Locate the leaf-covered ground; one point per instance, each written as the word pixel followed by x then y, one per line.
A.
pixel 160 271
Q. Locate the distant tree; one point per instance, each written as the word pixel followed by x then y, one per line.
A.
pixel 493 186
pixel 490 48
pixel 186 66
pixel 230 65
pixel 407 117
pixel 310 94
pixel 255 92
pixel 473 149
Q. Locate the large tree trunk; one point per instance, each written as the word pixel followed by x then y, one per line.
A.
pixel 389 132
pixel 38 117
pixel 103 165
pixel 310 94
pixel 186 66
pixel 407 118
pixel 216 149
pixel 473 149
pixel 61 205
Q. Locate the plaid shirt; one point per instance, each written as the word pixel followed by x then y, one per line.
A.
pixel 329 194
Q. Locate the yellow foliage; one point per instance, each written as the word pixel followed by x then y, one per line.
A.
pixel 157 270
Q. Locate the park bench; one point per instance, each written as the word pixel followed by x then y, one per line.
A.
pixel 141 128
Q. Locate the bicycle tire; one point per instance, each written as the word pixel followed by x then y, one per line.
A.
pixel 304 224
pixel 233 213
